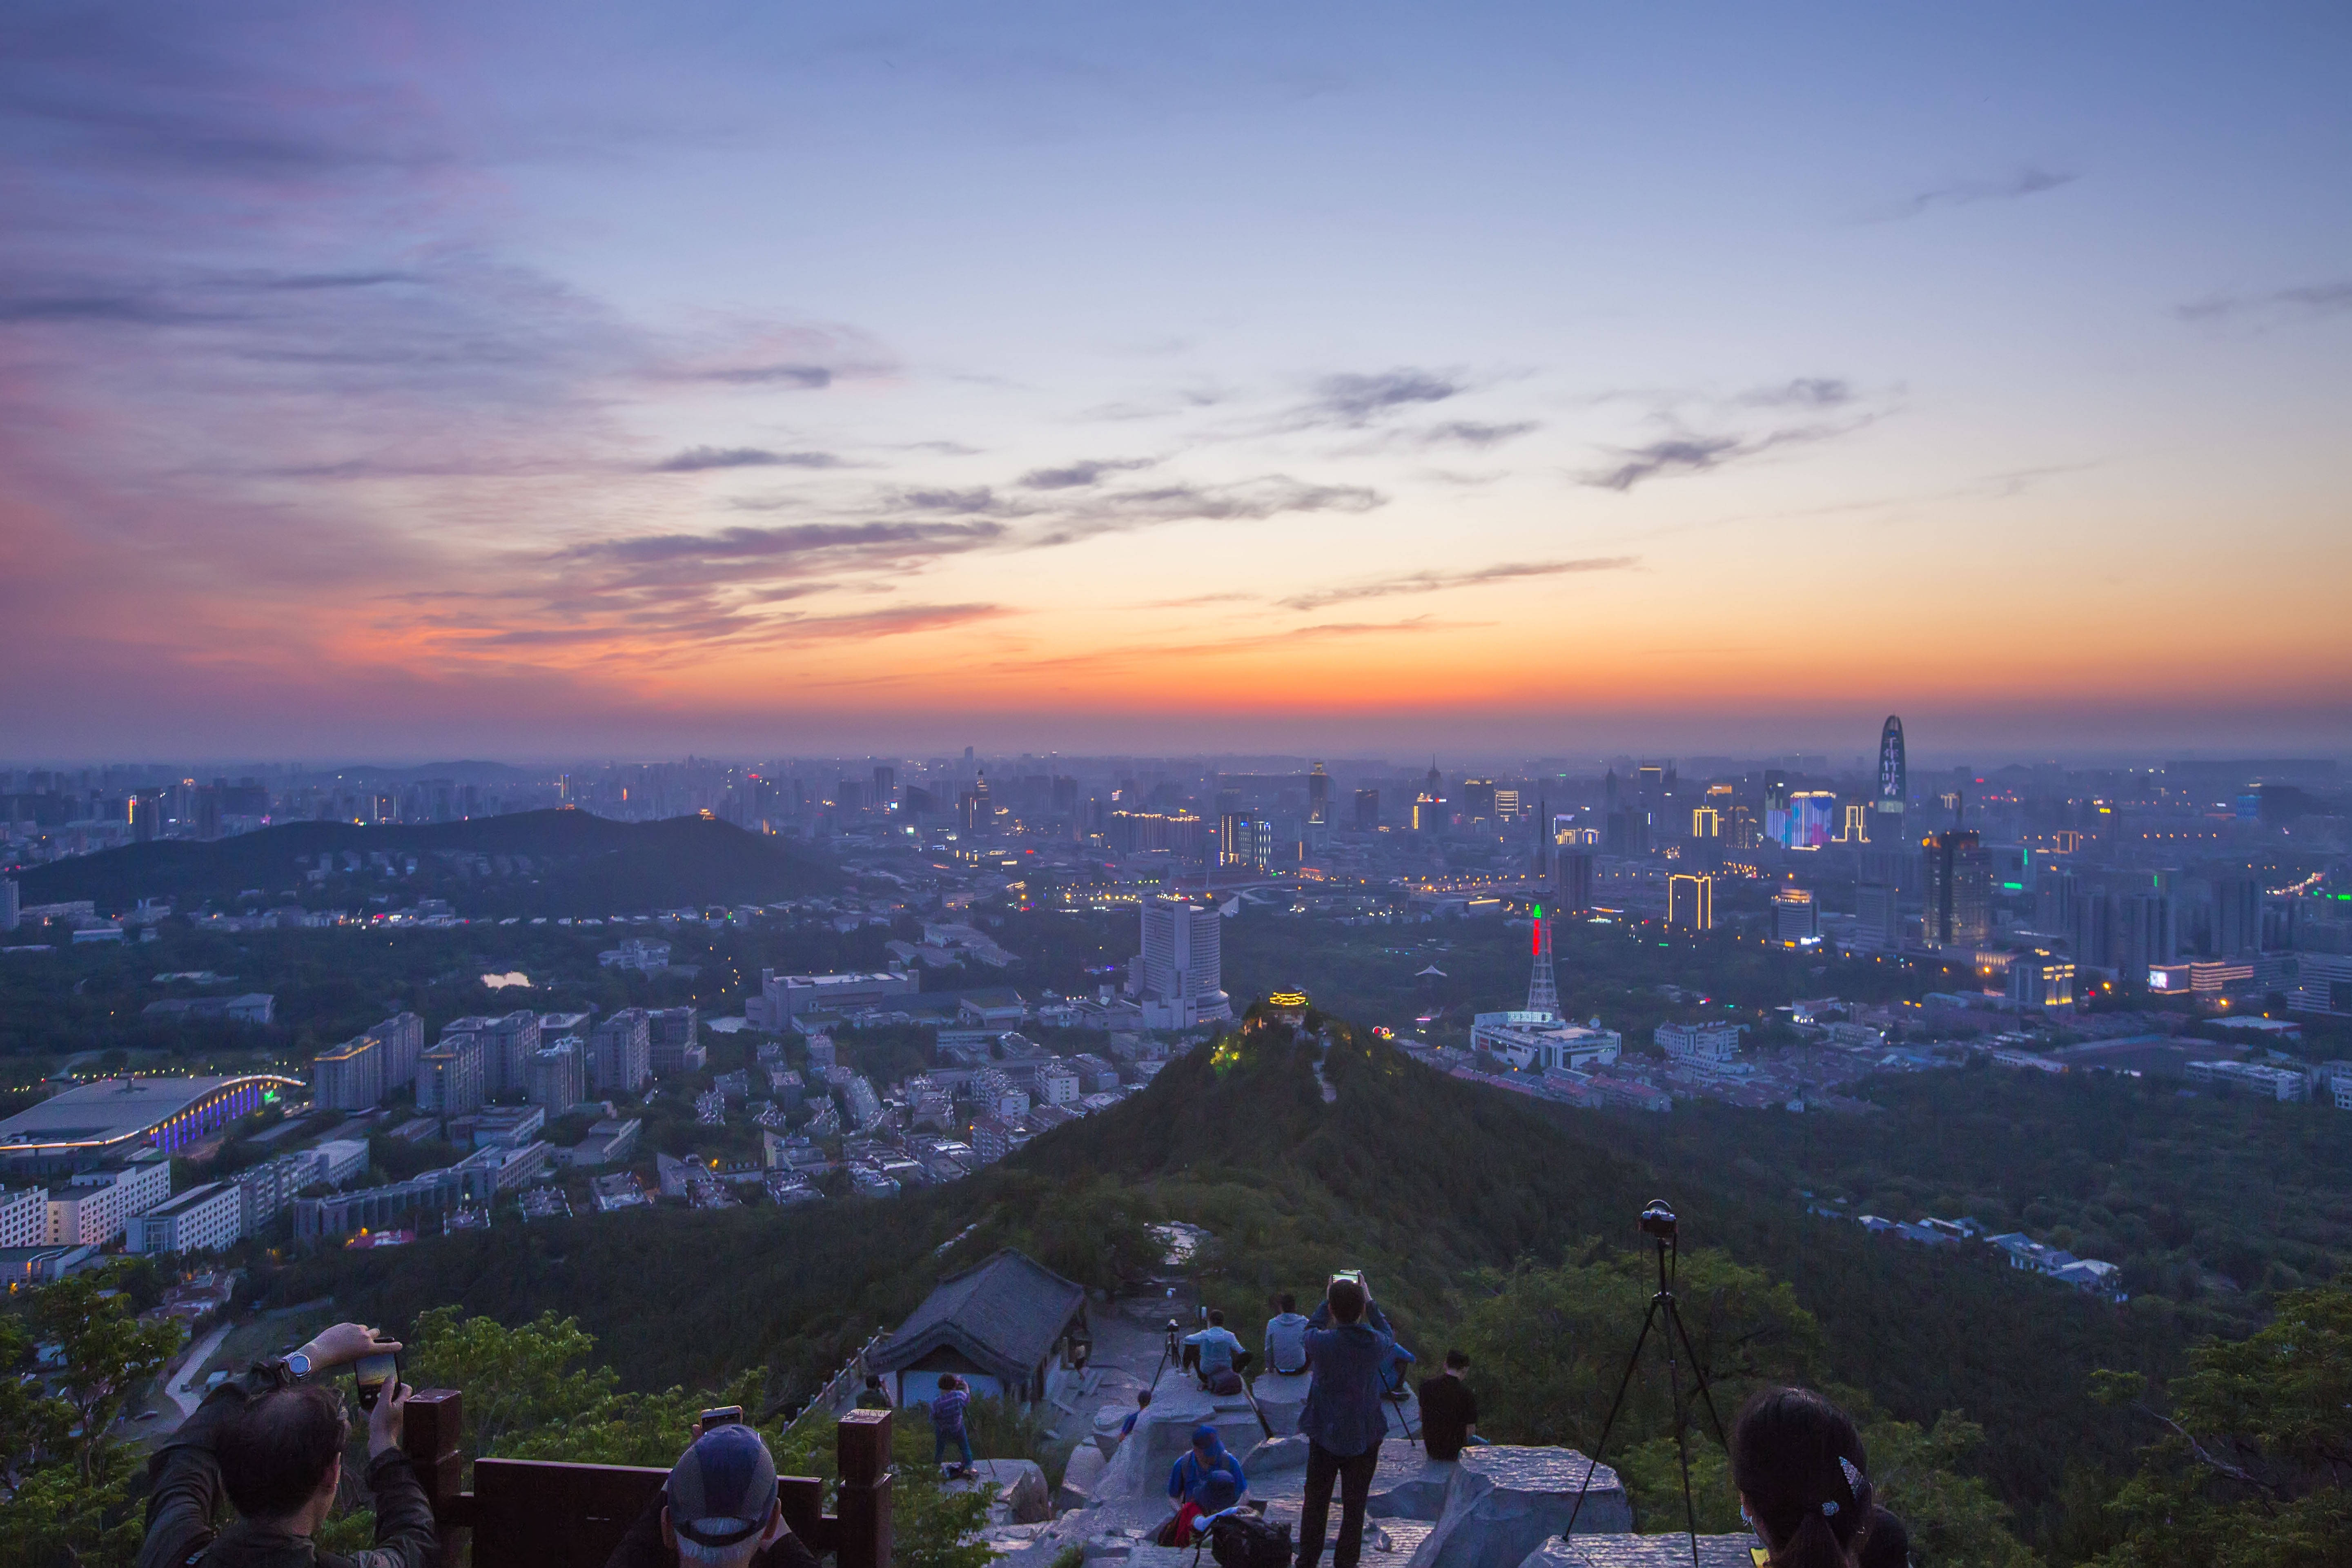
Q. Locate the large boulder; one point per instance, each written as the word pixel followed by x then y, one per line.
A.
pixel 1409 1484
pixel 1639 1552
pixel 1015 1489
pixel 1273 1454
pixel 1281 1399
pixel 1079 1477
pixel 1502 1503
pixel 1165 1431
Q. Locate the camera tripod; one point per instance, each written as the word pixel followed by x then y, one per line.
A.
pixel 1658 1223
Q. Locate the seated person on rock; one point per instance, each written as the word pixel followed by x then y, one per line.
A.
pixel 1219 1354
pixel 1142 1403
pixel 1190 1478
pixel 1286 1339
pixel 718 1509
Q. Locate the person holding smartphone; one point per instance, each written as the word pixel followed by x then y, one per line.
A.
pixel 271 1441
pixel 1348 1344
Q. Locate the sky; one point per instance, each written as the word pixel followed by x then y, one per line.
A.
pixel 407 381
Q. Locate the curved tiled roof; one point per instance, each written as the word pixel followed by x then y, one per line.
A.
pixel 1005 1314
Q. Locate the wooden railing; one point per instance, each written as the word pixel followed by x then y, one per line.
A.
pixel 533 1513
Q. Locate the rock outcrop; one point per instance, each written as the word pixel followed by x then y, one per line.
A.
pixel 1503 1503
pixel 1639 1552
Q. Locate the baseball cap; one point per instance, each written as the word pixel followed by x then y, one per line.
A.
pixel 721 1488
pixel 1204 1436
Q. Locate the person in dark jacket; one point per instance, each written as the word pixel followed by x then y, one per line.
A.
pixel 718 1509
pixel 1343 1418
pixel 271 1442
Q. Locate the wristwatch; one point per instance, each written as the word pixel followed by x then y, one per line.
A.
pixel 298 1366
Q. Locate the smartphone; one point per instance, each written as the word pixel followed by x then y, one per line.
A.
pixel 374 1374
pixel 725 1415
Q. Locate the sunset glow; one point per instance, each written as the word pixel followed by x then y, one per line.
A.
pixel 386 380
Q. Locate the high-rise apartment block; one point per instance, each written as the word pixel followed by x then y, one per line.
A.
pixel 620 1052
pixel 402 1038
pixel 451 1078
pixel 349 1076
pixel 557 1075
pixel 675 1049
pixel 1179 972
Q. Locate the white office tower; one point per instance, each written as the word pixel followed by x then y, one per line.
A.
pixel 1182 979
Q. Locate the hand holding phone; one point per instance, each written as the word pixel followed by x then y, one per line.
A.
pixel 372 1375
pixel 722 1415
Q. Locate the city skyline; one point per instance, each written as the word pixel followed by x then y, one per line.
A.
pixel 413 384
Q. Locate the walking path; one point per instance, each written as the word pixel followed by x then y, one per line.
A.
pixel 184 1390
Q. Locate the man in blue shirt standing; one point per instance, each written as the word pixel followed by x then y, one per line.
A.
pixel 1343 1420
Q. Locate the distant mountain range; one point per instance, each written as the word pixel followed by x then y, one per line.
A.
pixel 529 863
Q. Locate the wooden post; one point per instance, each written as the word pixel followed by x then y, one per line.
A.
pixel 862 1450
pixel 429 1429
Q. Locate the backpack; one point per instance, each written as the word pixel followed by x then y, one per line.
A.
pixel 1245 1540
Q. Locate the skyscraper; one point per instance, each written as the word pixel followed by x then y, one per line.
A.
pixel 1894 785
pixel 1318 797
pixel 1572 879
pixel 1367 810
pixel 1959 888
pixel 1181 971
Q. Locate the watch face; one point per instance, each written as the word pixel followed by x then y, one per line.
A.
pixel 298 1364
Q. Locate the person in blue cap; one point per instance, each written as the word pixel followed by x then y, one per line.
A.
pixel 1205 1470
pixel 718 1510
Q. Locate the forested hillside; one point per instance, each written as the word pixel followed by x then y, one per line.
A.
pixel 1437 1188
pixel 571 863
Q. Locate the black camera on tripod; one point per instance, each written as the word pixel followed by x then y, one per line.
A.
pixel 1658 1220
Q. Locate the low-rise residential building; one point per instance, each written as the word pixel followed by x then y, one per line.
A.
pixel 1712 1041
pixel 2272 1083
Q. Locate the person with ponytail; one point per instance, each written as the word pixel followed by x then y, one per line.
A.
pixel 1799 1465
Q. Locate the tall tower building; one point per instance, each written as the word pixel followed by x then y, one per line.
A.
pixel 1959 890
pixel 1543 993
pixel 1894 785
pixel 1318 797
pixel 1180 970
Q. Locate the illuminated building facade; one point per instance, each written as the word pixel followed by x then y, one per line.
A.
pixel 1690 903
pixel 1894 784
pixel 2040 981
pixel 1796 917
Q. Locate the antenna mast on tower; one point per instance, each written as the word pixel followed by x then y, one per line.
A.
pixel 1543 996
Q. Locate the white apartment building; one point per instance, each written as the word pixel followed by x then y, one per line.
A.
pixel 199 1220
pixel 93 1208
pixel 1711 1042
pixel 25 1218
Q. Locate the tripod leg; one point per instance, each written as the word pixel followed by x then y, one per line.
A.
pixel 1674 1318
pixel 1682 1439
pixel 1623 1385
